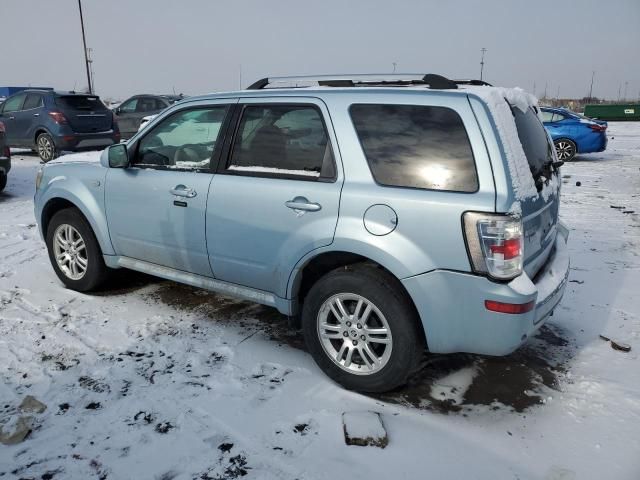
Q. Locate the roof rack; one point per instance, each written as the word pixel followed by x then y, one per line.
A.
pixel 479 83
pixel 368 80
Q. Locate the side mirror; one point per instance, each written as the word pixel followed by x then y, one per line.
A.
pixel 118 156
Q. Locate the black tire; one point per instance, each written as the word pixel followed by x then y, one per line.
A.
pixel 96 273
pixel 566 149
pixel 3 181
pixel 386 294
pixel 46 147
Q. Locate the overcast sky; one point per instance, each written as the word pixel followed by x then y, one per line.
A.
pixel 198 46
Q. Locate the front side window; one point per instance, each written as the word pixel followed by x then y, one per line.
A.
pixel 546 116
pixel 282 140
pixel 416 146
pixel 184 140
pixel 13 104
pixel 129 106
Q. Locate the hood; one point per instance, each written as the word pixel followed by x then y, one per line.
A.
pixel 81 157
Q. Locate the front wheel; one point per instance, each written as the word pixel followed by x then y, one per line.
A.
pixel 46 147
pixel 565 149
pixel 74 251
pixel 361 329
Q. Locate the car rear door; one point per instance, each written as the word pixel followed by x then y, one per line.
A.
pixel 276 194
pixel 156 207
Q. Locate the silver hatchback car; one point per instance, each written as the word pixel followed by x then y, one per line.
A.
pixel 385 215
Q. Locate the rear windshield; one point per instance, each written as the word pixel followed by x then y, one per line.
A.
pixel 80 102
pixel 416 146
pixel 533 138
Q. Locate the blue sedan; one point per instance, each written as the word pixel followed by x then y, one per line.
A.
pixel 573 133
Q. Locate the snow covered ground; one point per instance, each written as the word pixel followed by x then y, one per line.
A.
pixel 153 380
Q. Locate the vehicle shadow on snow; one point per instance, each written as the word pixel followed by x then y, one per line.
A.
pixel 453 383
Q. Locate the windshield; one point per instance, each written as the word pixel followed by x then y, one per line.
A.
pixel 534 140
pixel 80 102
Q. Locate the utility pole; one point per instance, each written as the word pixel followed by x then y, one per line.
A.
pixel 483 50
pixel 558 93
pixel 626 84
pixel 394 66
pixel 619 88
pixel 545 90
pixel 84 44
pixel 593 74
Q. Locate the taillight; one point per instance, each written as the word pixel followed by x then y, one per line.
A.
pixel 496 244
pixel 58 117
pixel 6 152
pixel 597 127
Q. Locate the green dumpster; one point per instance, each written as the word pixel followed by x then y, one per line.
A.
pixel 627 111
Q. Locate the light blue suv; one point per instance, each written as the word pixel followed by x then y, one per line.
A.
pixel 383 215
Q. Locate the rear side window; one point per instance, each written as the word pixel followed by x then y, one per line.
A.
pixel 282 140
pixel 533 138
pixel 416 146
pixel 33 101
pixel 80 102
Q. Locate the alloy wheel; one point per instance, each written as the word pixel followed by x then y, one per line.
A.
pixel 354 334
pixel 70 251
pixel 45 148
pixel 565 150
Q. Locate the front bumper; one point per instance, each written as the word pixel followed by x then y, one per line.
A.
pixel 451 305
pixel 5 165
pixel 87 141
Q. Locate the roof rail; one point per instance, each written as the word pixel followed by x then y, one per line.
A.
pixel 383 79
pixel 480 83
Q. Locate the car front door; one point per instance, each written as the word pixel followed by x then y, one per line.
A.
pixel 126 115
pixel 156 207
pixel 276 195
pixel 10 116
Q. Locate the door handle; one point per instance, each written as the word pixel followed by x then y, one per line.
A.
pixel 36 114
pixel 12 118
pixel 301 203
pixel 182 191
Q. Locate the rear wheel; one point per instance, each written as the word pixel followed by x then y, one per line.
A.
pixel 3 181
pixel 361 329
pixel 74 251
pixel 45 147
pixel 565 149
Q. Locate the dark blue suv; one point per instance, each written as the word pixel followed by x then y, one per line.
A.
pixel 49 122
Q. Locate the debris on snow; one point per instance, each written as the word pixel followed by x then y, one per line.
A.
pixel 18 433
pixel 30 404
pixel 623 347
pixel 364 429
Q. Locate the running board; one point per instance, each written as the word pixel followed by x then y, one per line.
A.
pixel 231 289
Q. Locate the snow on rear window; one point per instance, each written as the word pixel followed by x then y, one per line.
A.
pixel 521 178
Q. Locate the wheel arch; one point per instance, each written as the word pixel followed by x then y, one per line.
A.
pixel 312 268
pixel 92 214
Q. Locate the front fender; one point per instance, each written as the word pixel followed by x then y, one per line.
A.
pixel 84 188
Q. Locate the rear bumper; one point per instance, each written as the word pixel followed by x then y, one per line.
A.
pixel 87 141
pixel 5 165
pixel 451 305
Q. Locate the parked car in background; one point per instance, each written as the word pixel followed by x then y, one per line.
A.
pixel 382 219
pixel 5 158
pixel 50 121
pixel 129 114
pixel 145 121
pixel 573 133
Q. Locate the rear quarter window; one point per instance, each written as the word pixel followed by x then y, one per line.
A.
pixel 533 138
pixel 416 146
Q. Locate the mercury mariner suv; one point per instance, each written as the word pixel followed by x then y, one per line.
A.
pixel 384 215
